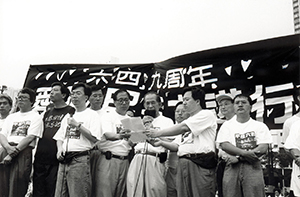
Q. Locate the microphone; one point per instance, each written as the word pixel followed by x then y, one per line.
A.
pixel 151 113
pixel 71 112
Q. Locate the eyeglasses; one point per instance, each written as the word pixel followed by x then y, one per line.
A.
pixel 22 98
pixel 77 93
pixel 123 100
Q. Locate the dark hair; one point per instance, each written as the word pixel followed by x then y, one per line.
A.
pixel 87 89
pixel 179 103
pixel 197 94
pixel 114 95
pixel 158 99
pixel 295 95
pixel 96 88
pixel 63 89
pixel 8 98
pixel 244 95
pixel 31 94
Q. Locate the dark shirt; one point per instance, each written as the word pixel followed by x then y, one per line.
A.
pixel 47 149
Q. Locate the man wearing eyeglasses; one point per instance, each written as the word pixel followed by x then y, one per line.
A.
pixel 112 165
pixel 75 138
pixel 18 137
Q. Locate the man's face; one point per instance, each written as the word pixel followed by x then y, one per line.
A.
pixel 96 99
pixel 122 102
pixel 226 107
pixel 78 97
pixel 180 113
pixel 55 94
pixel 242 106
pixel 151 104
pixel 4 106
pixel 190 105
pixel 24 101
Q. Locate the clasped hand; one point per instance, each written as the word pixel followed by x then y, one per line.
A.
pixel 125 133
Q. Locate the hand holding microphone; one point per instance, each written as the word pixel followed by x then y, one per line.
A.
pixel 71 121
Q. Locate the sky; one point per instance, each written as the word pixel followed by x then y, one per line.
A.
pixel 132 31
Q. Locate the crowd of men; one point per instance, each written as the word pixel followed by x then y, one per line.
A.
pixel 84 150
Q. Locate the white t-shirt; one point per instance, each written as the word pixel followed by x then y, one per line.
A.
pixel 18 126
pixel 201 139
pixel 287 126
pixel 111 122
pixel 244 135
pixel 293 141
pixel 75 140
pixel 160 122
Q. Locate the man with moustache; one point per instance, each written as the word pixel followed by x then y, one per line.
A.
pixel 45 162
pixel 75 138
pixel 146 171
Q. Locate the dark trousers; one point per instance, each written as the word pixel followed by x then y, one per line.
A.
pixel 219 175
pixel 16 174
pixel 44 179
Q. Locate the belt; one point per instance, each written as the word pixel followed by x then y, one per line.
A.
pixel 115 156
pixel 12 143
pixel 78 153
pixel 149 153
pixel 191 155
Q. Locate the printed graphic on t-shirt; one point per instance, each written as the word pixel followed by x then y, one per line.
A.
pixel 119 128
pixel 20 128
pixel 246 140
pixel 73 132
pixel 187 138
pixel 53 121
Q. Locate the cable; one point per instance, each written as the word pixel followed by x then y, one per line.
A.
pixel 141 165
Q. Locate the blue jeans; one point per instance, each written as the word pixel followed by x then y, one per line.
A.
pixel 74 178
pixel 243 179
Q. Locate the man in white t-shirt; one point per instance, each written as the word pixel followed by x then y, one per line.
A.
pixel 196 151
pixel 96 99
pixel 225 106
pixel 75 138
pixel 18 138
pixel 112 164
pixel 292 143
pixel 146 173
pixel 246 139
pixel 288 122
pixel 5 107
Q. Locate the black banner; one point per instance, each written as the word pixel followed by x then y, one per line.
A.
pixel 268 70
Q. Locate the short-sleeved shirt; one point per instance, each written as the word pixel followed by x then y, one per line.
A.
pixel 160 122
pixel 111 123
pixel 18 126
pixel 201 139
pixel 293 140
pixel 47 149
pixel 244 135
pixel 73 139
pixel 287 126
